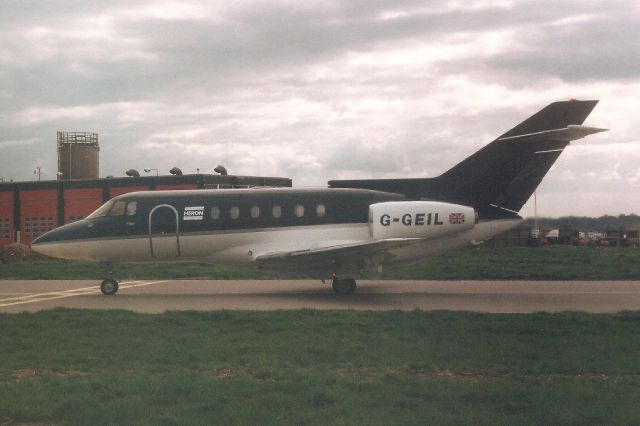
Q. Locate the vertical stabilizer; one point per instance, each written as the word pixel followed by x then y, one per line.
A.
pixel 500 177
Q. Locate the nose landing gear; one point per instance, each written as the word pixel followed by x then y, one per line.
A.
pixel 109 285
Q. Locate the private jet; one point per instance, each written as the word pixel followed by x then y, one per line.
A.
pixel 337 232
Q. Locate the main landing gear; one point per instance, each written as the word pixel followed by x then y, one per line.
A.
pixel 344 285
pixel 109 285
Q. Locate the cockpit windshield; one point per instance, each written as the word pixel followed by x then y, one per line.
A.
pixel 115 208
pixel 102 210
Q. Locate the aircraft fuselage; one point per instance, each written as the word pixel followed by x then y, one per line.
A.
pixel 237 226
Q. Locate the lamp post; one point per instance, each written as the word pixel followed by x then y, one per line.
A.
pixel 147 170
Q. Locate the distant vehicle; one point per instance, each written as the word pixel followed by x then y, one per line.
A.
pixel 336 232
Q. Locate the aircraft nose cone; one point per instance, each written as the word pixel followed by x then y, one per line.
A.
pixel 38 248
pixel 38 240
pixel 47 237
pixel 57 242
pixel 39 245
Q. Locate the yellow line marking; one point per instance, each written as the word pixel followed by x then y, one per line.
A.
pixel 43 297
pixel 142 283
pixel 56 293
pixel 52 294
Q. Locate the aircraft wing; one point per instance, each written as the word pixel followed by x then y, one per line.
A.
pixel 363 255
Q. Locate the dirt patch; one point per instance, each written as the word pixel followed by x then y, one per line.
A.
pixel 8 421
pixel 224 374
pixel 18 376
pixel 489 374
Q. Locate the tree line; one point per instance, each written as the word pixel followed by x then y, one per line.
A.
pixel 585 223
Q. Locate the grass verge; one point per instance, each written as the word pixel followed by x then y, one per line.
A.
pixel 544 263
pixel 340 367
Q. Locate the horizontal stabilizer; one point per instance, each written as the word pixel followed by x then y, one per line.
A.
pixel 556 115
pixel 569 133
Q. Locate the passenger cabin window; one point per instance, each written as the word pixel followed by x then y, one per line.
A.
pixel 234 212
pixel 118 208
pixel 132 207
pixel 215 213
pixel 276 211
pixel 255 212
pixel 321 210
pixel 299 210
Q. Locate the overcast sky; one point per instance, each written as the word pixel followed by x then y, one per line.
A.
pixel 322 90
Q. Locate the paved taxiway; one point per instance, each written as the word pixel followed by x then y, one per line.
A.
pixel 153 296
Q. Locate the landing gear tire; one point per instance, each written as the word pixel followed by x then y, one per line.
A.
pixel 109 287
pixel 344 286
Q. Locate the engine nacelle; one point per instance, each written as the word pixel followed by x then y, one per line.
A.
pixel 418 219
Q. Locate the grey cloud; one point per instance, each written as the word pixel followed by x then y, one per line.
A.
pixel 354 155
pixel 273 36
pixel 258 39
pixel 21 11
pixel 603 48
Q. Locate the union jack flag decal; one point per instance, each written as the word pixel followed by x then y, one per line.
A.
pixel 456 218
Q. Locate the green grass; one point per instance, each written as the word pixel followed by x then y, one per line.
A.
pixel 309 367
pixel 531 263
pixel 545 263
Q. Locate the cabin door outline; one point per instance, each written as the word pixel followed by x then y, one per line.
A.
pixel 164 221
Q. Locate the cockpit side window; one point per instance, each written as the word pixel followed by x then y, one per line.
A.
pixel 132 207
pixel 118 208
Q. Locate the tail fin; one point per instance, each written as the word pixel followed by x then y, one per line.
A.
pixel 499 178
pixel 556 115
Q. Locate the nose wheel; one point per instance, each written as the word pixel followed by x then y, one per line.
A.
pixel 109 287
